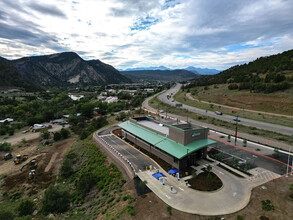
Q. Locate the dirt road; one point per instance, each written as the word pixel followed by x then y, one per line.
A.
pixel 15 139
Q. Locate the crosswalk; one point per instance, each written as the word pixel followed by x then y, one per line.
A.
pixel 261 176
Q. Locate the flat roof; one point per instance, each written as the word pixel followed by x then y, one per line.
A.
pixel 155 126
pixel 165 144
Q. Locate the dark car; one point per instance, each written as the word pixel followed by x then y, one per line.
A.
pixel 8 156
pixel 236 119
pixel 218 113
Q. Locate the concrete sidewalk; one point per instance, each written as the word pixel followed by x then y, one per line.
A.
pixel 232 197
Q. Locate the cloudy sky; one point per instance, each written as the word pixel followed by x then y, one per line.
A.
pixel 142 33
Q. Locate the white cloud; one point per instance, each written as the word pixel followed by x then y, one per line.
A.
pixel 206 33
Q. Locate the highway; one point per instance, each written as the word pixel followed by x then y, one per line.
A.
pixel 247 122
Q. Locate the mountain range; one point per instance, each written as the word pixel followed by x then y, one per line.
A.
pixel 61 69
pixel 201 71
pixel 160 75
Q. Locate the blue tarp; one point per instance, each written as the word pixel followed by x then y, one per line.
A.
pixel 173 171
pixel 158 175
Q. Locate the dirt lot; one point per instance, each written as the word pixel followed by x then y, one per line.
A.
pixel 149 206
pixel 48 159
pixel 278 102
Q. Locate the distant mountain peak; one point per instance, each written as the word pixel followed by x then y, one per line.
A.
pixel 201 71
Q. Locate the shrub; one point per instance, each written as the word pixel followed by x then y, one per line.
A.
pixel 45 134
pixel 85 183
pixel 169 210
pixel 130 210
pixel 267 205
pixel 6 147
pixel 26 207
pixel 57 136
pixel 56 200
pixel 15 195
pixel 240 217
pixel 66 169
pixel 64 133
pixel 233 86
pixel 7 215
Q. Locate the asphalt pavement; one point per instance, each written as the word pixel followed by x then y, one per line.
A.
pixel 247 122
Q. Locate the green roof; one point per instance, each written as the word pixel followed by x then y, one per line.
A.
pixel 164 143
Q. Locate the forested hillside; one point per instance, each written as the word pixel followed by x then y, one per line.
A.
pixel 10 77
pixel 265 74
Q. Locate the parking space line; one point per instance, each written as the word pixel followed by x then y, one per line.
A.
pixel 123 149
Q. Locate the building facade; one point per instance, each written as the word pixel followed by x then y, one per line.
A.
pixel 180 145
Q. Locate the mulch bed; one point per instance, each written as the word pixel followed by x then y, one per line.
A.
pixel 202 183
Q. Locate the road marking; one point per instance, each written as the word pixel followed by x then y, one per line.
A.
pixel 181 188
pixel 123 149
pixel 166 188
pixel 105 135
pixel 168 196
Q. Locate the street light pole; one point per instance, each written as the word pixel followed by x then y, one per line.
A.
pixel 236 129
pixel 288 162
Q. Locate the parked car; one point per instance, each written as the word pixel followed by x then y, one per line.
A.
pixel 236 119
pixel 218 113
pixel 8 156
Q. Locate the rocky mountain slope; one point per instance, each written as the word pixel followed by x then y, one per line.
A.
pixel 64 69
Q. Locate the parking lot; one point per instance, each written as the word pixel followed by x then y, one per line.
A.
pixel 246 159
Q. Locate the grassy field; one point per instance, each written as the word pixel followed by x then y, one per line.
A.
pixel 278 102
pixel 181 97
pixel 241 128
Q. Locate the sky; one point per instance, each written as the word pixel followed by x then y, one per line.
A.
pixel 143 33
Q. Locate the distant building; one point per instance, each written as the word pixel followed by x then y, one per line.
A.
pixel 180 145
pixel 111 99
pixel 39 127
pixel 6 120
pixel 149 90
pixel 130 92
pixel 60 121
pixel 75 97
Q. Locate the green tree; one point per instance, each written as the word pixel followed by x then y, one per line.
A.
pixel 26 207
pixel 45 134
pixel 56 200
pixel 209 169
pixel 66 169
pixel 194 174
pixel 64 133
pixel 57 136
pixel 5 147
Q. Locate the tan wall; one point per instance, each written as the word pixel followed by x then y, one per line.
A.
pixel 185 137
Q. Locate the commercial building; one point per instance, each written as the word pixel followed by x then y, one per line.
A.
pixel 180 145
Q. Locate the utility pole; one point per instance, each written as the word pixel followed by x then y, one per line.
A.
pixel 236 129
pixel 158 109
pixel 166 112
pixel 288 162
